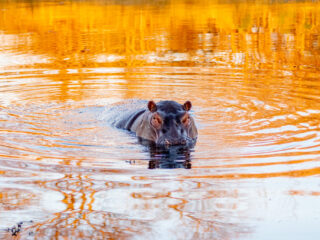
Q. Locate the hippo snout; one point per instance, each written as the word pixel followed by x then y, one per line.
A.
pixel 171 142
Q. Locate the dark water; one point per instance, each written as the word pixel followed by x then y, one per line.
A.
pixel 251 71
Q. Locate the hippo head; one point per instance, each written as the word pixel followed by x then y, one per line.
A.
pixel 171 123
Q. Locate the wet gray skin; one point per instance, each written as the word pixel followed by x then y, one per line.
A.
pixel 166 123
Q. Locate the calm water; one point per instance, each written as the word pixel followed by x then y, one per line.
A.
pixel 252 73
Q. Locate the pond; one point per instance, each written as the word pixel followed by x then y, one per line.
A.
pixel 251 70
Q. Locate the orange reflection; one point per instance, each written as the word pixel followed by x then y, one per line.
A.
pixel 91 34
pixel 77 35
pixel 304 193
pixel 295 173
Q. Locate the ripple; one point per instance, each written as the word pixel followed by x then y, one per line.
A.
pixel 68 71
pixel 247 132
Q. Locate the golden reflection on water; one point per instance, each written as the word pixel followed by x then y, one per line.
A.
pixel 92 34
pixel 250 68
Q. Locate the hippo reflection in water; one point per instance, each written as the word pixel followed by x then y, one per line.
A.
pixel 172 157
pixel 166 123
pixel 167 128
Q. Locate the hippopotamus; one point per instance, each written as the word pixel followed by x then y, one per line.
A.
pixel 165 123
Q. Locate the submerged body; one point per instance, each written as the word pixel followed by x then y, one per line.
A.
pixel 165 123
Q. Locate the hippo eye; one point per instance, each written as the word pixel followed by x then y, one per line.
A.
pixel 164 131
pixel 156 121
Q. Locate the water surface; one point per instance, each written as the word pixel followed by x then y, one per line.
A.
pixel 251 71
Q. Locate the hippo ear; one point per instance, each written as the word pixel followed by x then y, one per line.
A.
pixel 152 106
pixel 187 106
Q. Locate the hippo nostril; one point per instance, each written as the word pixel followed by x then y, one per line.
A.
pixel 171 142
